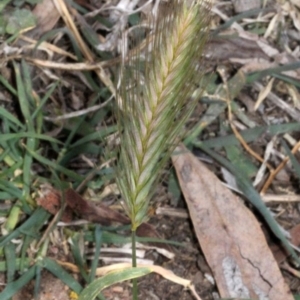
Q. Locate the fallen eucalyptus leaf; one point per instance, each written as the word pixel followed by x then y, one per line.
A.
pixel 229 235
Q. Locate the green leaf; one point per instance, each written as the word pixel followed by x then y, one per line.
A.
pixel 8 85
pixel 20 19
pixel 6 114
pixel 235 85
pixel 95 136
pixel 92 290
pixel 37 283
pixel 33 2
pixel 54 165
pixel 37 219
pixel 174 189
pixel 76 242
pixel 26 263
pixel 292 157
pixel 10 188
pixel 98 242
pixel 32 135
pixel 13 287
pixel 251 135
pixel 10 256
pixel 3 4
pixel 63 275
pixel 272 71
pixel 3 23
pixel 238 158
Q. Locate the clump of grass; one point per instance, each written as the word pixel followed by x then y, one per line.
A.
pixel 155 103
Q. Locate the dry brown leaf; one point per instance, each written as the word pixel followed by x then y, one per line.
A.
pixel 88 210
pixel 47 17
pixel 272 25
pixel 222 49
pixel 229 235
pixel 244 5
pixel 294 94
pixel 296 3
pixel 104 215
pixel 264 93
pixel 293 12
pixel 50 199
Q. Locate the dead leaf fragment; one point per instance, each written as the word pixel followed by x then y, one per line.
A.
pixel 229 235
pixel 104 215
pixel 50 200
pixel 88 210
pixel 264 93
pixel 222 49
pixel 244 5
pixel 47 17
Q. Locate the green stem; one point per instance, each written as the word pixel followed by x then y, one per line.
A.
pixel 134 281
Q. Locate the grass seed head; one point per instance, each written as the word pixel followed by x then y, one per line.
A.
pixel 154 98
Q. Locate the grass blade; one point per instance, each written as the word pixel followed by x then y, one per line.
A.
pixel 60 273
pixel 92 290
pixel 13 287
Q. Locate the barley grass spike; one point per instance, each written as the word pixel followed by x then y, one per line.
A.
pixel 155 98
